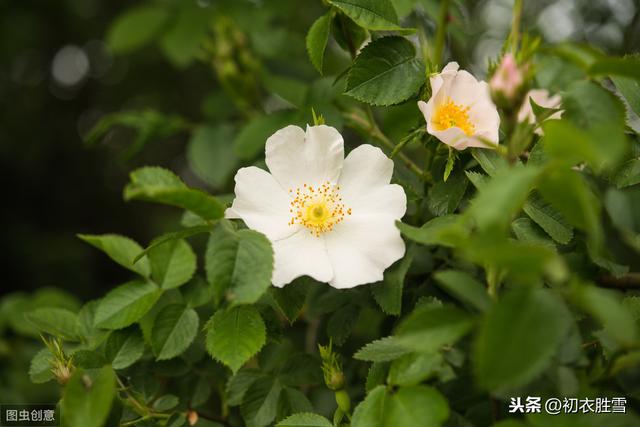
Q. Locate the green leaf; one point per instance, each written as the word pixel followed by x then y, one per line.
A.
pixel 121 249
pixel 606 307
pixel 382 350
pixel 630 90
pixel 342 322
pixel 160 185
pixel 291 90
pixel 628 174
pixel 91 336
pixel 388 293
pixel 249 143
pixel 167 237
pixel 149 126
pixel 58 322
pixel 519 337
pixel 502 196
pixel 526 231
pixel 377 15
pixel 40 367
pixel 260 403
pixel 408 407
pixel 490 161
pixel 136 27
pixel 305 419
pixel 548 218
pixel 623 67
pixel 430 327
pixel 174 329
pixel 124 347
pixel 238 385
pixel 292 401
pixel 587 104
pixel 568 192
pixel 290 299
pixel 211 155
pixel 444 197
pixel 385 72
pixel 183 41
pixel 172 263
pixel 449 230
pixel 166 403
pixel 88 397
pixel 377 375
pixel 451 161
pixel 197 292
pixel 347 34
pixel 235 335
pixel 464 287
pixel 602 147
pixel 126 304
pixel 239 264
pixel 89 359
pixel 523 261
pixel 317 39
pixel 414 368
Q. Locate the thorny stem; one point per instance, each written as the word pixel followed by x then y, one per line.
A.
pixel 369 126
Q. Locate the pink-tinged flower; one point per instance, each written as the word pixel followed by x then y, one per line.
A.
pixel 543 99
pixel 460 112
pixel 328 217
pixel 507 79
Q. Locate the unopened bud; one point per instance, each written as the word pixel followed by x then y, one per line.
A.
pixel 507 81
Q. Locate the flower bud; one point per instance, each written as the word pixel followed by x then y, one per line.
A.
pixel 331 368
pixel 507 82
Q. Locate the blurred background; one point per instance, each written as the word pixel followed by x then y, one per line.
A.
pixel 91 89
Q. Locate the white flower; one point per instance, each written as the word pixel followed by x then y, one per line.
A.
pixel 328 217
pixel 460 112
pixel 543 99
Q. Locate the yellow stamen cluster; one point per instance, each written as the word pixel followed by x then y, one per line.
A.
pixel 319 209
pixel 451 114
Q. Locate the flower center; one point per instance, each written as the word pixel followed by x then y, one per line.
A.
pixel 317 208
pixel 451 114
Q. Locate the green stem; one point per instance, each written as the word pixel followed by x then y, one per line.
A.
pixel 142 409
pixel 514 36
pixel 369 126
pixel 441 32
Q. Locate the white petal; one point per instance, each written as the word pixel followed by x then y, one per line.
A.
pixel 454 136
pixel 366 166
pixel 437 79
pixel 451 66
pixel 466 90
pixel 301 254
pixel 360 249
pixel 364 184
pixel 261 203
pixel 295 157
